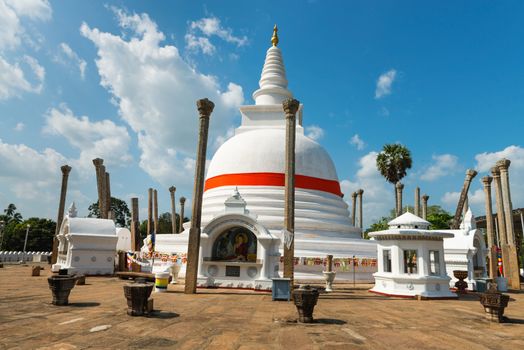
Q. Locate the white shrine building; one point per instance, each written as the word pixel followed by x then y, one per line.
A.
pixel 411 259
pixel 243 203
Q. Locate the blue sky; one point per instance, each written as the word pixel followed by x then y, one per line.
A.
pixel 118 80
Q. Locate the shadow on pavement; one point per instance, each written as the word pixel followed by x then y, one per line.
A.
pixel 87 304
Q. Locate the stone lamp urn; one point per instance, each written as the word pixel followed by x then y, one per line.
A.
pixel 305 299
pixel 494 303
pixel 137 295
pixel 61 286
pixel 174 270
pixel 329 276
pixel 461 275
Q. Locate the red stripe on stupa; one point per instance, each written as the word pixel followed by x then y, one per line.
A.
pixel 272 179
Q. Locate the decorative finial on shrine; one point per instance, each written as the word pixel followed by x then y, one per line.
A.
pixel 274 38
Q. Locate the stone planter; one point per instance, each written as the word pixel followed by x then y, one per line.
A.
pixel 494 304
pixel 461 275
pixel 305 299
pixel 61 286
pixel 80 280
pixel 137 295
pixel 174 270
pixel 330 277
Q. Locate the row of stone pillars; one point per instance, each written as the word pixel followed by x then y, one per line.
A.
pixel 504 223
pixel 418 209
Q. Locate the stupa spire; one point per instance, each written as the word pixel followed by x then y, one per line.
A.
pixel 273 83
pixel 274 38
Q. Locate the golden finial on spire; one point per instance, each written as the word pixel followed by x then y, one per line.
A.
pixel 274 38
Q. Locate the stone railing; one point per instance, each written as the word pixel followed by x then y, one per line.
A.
pixel 11 256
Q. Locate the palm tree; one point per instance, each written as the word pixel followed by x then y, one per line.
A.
pixel 392 163
pixel 12 215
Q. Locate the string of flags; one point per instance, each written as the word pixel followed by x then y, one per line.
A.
pixel 343 264
pixel 142 258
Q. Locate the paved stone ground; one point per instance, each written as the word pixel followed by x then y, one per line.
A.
pixel 350 318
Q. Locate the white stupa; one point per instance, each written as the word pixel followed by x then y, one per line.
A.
pixel 248 169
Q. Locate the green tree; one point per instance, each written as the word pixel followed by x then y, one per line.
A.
pixel 381 224
pixel 438 218
pixel 392 163
pixel 119 209
pixel 39 238
pixel 164 224
pixel 10 214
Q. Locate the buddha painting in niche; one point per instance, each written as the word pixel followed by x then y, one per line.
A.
pixel 237 244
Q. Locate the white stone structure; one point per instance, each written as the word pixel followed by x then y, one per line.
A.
pixel 411 259
pixel 253 162
pixel 124 239
pixel 466 250
pixel 86 246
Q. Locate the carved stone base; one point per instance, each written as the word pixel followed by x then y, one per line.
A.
pixel 494 304
pixel 305 299
pixel 137 295
pixel 61 286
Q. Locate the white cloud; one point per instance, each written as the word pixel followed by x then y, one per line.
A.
pixel 19 126
pixel 220 139
pixel 451 198
pixel 384 83
pixel 195 43
pixel 156 90
pixel 71 55
pixel 357 142
pixel 11 31
pixel 378 197
pixel 13 80
pixel 94 139
pixel 487 160
pixel 211 27
pixel 444 164
pixel 314 132
pixel 29 173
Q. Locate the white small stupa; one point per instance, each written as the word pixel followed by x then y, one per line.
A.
pixel 411 259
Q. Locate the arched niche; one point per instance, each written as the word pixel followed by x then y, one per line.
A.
pixel 235 244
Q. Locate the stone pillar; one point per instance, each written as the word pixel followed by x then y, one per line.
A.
pixel 149 211
pixel 425 206
pixel 514 275
pixel 290 109
pixel 416 206
pixel 135 225
pixel 66 169
pixel 172 191
pixel 470 174
pixel 354 208
pixel 492 265
pixel 181 218
pixel 205 107
pixel 109 213
pixel 501 220
pixel 155 209
pixel 360 216
pixel 399 187
pixel 100 184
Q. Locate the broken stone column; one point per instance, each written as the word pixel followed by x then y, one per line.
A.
pixel 172 190
pixel 492 266
pixel 514 276
pixel 360 192
pixel 155 209
pixel 135 225
pixel 149 211
pixel 501 221
pixel 66 169
pixel 181 218
pixel 416 206
pixel 100 184
pixel 399 187
pixel 354 208
pixel 470 174
pixel 290 107
pixel 109 213
pixel 103 208
pixel 425 206
pixel 205 107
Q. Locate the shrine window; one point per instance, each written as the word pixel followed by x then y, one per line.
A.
pixel 434 263
pixel 410 261
pixel 386 260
